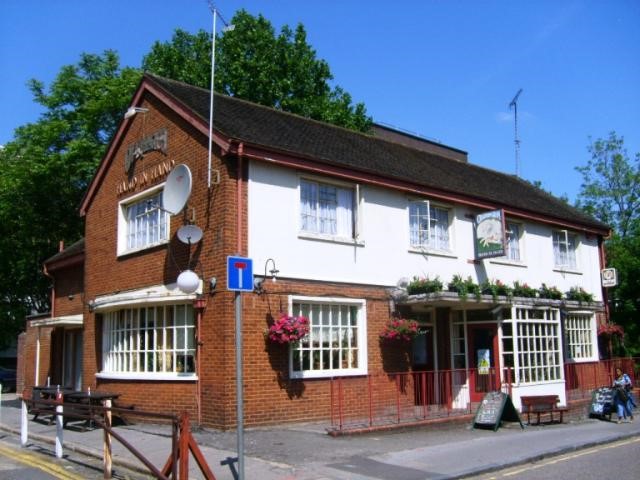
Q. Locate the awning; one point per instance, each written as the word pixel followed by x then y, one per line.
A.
pixel 62 321
pixel 153 295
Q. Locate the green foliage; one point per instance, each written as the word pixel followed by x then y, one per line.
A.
pixel 424 285
pixel 464 287
pixel 495 288
pixel 579 294
pixel 45 170
pixel 255 64
pixel 549 292
pixel 611 192
pixel 524 290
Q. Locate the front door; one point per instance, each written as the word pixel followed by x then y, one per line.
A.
pixel 483 359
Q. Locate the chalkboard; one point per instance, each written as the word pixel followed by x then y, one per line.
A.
pixel 495 408
pixel 602 401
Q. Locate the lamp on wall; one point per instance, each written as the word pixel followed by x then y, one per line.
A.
pixel 259 284
pixel 131 111
pixel 188 281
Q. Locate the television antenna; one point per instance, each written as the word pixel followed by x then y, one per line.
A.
pixel 514 105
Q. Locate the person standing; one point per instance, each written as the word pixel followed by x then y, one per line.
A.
pixel 623 397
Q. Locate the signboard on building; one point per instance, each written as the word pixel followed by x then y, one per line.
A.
pixel 609 277
pixel 490 234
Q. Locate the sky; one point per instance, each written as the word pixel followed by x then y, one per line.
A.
pixel 445 70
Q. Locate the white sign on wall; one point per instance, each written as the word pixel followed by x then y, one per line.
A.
pixel 609 277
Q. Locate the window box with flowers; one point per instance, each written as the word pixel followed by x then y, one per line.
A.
pixel 399 330
pixel 287 329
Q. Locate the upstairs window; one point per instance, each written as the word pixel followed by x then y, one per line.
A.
pixel 327 210
pixel 513 242
pixel 429 226
pixel 142 223
pixel 565 245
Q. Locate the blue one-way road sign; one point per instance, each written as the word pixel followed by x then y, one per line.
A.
pixel 240 274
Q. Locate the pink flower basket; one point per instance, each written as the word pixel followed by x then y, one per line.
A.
pixel 399 330
pixel 288 329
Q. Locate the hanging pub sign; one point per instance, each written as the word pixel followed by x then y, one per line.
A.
pixel 490 234
pixel 609 277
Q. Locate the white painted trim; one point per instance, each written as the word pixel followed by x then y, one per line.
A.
pixel 148 295
pixel 149 376
pixel 59 321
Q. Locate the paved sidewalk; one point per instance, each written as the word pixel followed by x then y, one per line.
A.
pixel 306 452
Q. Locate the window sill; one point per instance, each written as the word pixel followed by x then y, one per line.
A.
pixel 331 239
pixel 126 253
pixel 567 270
pixel 327 374
pixel 174 377
pixel 435 253
pixel 511 263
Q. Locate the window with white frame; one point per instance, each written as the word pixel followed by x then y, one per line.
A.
pixel 152 340
pixel 565 245
pixel 579 336
pixel 142 223
pixel 531 344
pixel 429 226
pixel 327 209
pixel 513 242
pixel 336 342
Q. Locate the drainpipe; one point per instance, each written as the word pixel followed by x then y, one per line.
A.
pixel 239 198
pixel 605 293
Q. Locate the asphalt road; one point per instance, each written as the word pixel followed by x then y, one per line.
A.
pixel 617 460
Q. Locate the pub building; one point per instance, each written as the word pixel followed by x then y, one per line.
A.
pixel 352 231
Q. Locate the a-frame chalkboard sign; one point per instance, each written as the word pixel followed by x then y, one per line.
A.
pixel 495 408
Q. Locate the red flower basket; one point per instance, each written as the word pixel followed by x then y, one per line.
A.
pixel 288 329
pixel 399 330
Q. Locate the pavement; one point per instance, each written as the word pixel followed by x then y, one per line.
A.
pixel 304 451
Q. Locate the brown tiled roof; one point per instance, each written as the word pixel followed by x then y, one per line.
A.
pixel 72 250
pixel 280 131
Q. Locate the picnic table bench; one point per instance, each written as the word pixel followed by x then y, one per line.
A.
pixel 541 404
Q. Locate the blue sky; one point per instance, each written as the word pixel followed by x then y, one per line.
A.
pixel 446 70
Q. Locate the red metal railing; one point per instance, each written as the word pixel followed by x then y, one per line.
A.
pixel 379 400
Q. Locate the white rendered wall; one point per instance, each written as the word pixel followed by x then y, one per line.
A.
pixel 382 254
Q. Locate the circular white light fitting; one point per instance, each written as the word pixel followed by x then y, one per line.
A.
pixel 188 281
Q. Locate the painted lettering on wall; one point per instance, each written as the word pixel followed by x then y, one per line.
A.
pixel 145 177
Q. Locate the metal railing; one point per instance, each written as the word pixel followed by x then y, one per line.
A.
pixel 387 399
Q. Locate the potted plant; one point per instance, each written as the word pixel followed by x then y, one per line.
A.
pixel 424 285
pixel 495 288
pixel 550 292
pixel 464 287
pixel 524 290
pixel 399 330
pixel 288 329
pixel 579 294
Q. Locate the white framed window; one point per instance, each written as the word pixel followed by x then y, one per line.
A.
pixel 337 340
pixel 150 341
pixel 531 344
pixel 429 226
pixel 580 336
pixel 328 210
pixel 141 222
pixel 512 244
pixel 565 245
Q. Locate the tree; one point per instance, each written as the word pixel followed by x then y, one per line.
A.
pixel 255 64
pixel 44 172
pixel 611 192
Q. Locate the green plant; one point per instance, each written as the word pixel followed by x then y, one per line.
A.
pixel 424 285
pixel 495 288
pixel 550 292
pixel 579 294
pixel 464 287
pixel 524 290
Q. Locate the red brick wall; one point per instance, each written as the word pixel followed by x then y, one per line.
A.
pixel 269 395
pixel 68 288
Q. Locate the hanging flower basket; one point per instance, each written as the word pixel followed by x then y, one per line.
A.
pixel 611 329
pixel 399 330
pixel 288 329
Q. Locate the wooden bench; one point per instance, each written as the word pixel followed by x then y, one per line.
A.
pixel 541 404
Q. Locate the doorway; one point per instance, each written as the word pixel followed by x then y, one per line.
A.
pixel 483 359
pixel 423 366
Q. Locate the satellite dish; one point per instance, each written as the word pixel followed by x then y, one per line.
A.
pixel 189 234
pixel 188 281
pixel 177 189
